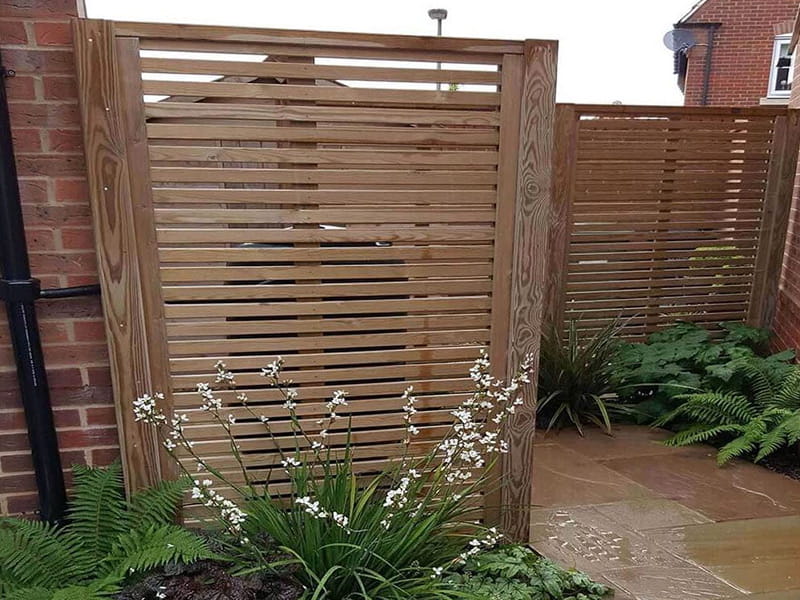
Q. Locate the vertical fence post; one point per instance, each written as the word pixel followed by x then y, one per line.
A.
pixel 775 219
pixel 564 167
pixel 534 190
pixel 109 88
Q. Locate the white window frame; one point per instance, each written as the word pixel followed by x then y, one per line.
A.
pixel 773 68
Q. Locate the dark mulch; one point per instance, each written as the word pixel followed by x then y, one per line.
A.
pixel 207 580
pixel 786 462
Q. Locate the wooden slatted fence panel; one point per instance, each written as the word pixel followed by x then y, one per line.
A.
pixel 661 214
pixel 312 195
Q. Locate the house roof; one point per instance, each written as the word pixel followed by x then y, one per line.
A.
pixel 692 11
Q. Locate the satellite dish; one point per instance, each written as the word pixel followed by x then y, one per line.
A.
pixel 679 39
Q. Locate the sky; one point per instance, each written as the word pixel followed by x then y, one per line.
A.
pixel 609 51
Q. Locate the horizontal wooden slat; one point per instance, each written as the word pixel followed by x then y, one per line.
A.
pixel 270 274
pixel 314 71
pixel 341 114
pixel 334 135
pixel 343 374
pixel 204 365
pixel 351 235
pixel 349 197
pixel 345 216
pixel 363 254
pixel 470 336
pixel 318 326
pixel 326 290
pixel 213 33
pixel 338 157
pixel 266 91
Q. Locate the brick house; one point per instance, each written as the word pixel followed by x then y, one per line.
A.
pixel 741 57
pixel 35 42
pixel 739 53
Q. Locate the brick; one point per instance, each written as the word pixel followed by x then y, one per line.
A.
pixel 59 9
pixel 23 504
pixel 77 238
pixel 31 114
pixel 13 441
pixel 102 457
pixel 33 190
pixel 62 87
pixel 73 308
pixel 11 420
pixel 84 396
pixel 64 215
pixel 13 33
pixel 71 190
pixel 88 438
pixel 83 262
pixel 39 61
pixel 90 331
pixel 53 33
pixel 40 239
pixel 64 165
pixel 103 415
pixel 26 140
pixel 21 87
pixel 70 354
pixel 65 140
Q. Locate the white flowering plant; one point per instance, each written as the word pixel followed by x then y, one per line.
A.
pixel 352 532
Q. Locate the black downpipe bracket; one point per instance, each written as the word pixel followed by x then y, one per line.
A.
pixel 19 291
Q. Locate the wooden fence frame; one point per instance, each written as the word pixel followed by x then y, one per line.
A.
pixel 776 203
pixel 107 55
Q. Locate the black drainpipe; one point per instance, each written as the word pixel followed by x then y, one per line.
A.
pixel 19 291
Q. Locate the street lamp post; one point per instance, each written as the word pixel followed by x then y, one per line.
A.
pixel 438 15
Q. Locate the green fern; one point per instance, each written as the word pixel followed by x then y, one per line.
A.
pixel 106 539
pixel 756 423
pixel 144 549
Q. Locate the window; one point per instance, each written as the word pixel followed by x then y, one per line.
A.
pixel 780 78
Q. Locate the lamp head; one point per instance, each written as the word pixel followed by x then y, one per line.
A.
pixel 438 14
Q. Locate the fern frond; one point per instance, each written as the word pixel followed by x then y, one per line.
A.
pixel 701 433
pixel 718 408
pixel 34 554
pixel 157 505
pixel 32 593
pixel 735 448
pixel 96 591
pixel 97 510
pixel 144 549
pixel 788 396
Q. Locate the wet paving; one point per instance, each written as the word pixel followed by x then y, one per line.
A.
pixel 660 523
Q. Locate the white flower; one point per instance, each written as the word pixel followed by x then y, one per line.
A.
pixel 339 399
pixel 437 572
pixel 273 369
pixel 231 419
pixel 263 419
pixel 145 409
pixel 341 520
pixel 312 507
pixel 290 461
pixel 289 405
pixel 169 445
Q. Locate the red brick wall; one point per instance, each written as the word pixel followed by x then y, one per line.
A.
pixel 786 323
pixel 742 51
pixel 35 38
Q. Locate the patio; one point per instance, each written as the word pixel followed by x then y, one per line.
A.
pixel 662 523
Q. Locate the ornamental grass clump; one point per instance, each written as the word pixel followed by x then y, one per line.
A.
pixel 350 534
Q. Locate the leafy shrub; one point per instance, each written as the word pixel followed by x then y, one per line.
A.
pixel 390 536
pixel 657 374
pixel 517 573
pixel 575 377
pixel 757 421
pixel 107 539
